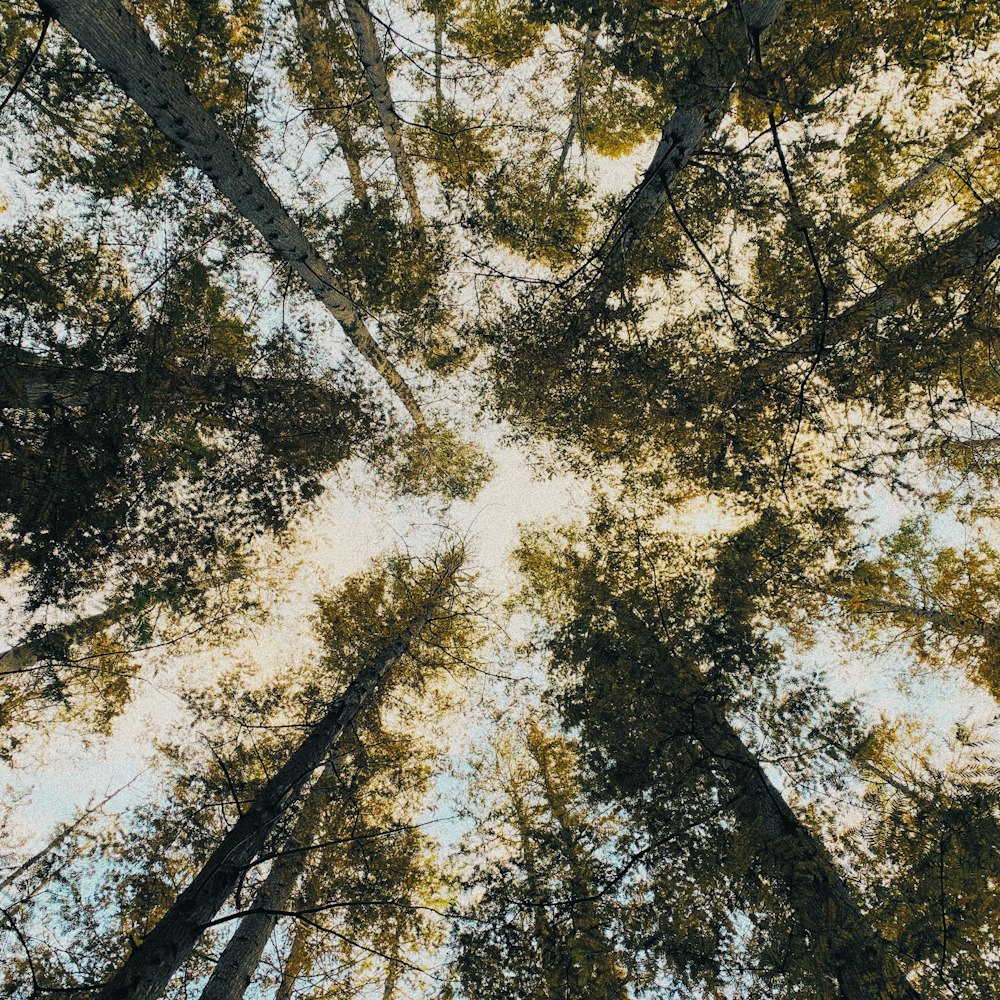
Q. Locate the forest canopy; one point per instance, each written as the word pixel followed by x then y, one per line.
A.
pixel 499 500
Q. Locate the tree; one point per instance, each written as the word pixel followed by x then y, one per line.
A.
pixel 122 48
pixel 627 617
pixel 412 609
pixel 542 924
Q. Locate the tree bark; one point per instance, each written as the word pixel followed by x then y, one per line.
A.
pixel 32 382
pixel 733 39
pixel 24 656
pixel 298 954
pixel 975 247
pixel 148 969
pixel 359 16
pixel 333 102
pixel 123 49
pixel 854 953
pixel 238 962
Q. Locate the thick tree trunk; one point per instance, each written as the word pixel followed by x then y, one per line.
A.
pixel 359 17
pixel 150 966
pixel 123 49
pixel 842 939
pixel 326 87
pixel 32 382
pixel 238 962
pixel 733 39
pixel 817 894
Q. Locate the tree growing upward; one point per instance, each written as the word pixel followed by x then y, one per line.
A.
pixel 384 625
pixel 120 45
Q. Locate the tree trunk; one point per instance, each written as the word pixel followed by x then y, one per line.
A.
pixel 576 113
pixel 120 46
pixel 439 20
pixel 937 165
pixel 326 86
pixel 147 971
pixel 975 247
pixel 359 17
pixel 733 39
pixel 24 656
pixel 298 954
pixel 238 962
pixel 32 382
pixel 604 973
pixel 842 938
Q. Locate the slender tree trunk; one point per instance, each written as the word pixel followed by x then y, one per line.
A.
pixel 608 978
pixel 937 165
pixel 359 17
pixel 120 46
pixel 579 102
pixel 439 20
pixel 238 962
pixel 733 39
pixel 327 88
pixel 147 971
pixel 853 953
pixel 298 954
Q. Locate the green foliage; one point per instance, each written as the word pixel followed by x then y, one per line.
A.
pixel 132 430
pixel 436 461
pixel 499 31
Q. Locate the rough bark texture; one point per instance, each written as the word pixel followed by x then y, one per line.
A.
pixel 238 962
pixel 31 382
pixel 817 894
pixel 297 962
pixel 150 966
pixel 733 38
pixel 359 17
pixel 123 49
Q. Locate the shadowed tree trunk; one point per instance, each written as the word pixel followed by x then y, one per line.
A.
pixel 123 49
pixel 148 969
pixel 976 247
pixel 55 641
pixel 788 851
pixel 733 38
pixel 939 164
pixel 576 112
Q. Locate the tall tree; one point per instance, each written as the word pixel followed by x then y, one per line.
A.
pixel 630 620
pixel 413 608
pixel 120 45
